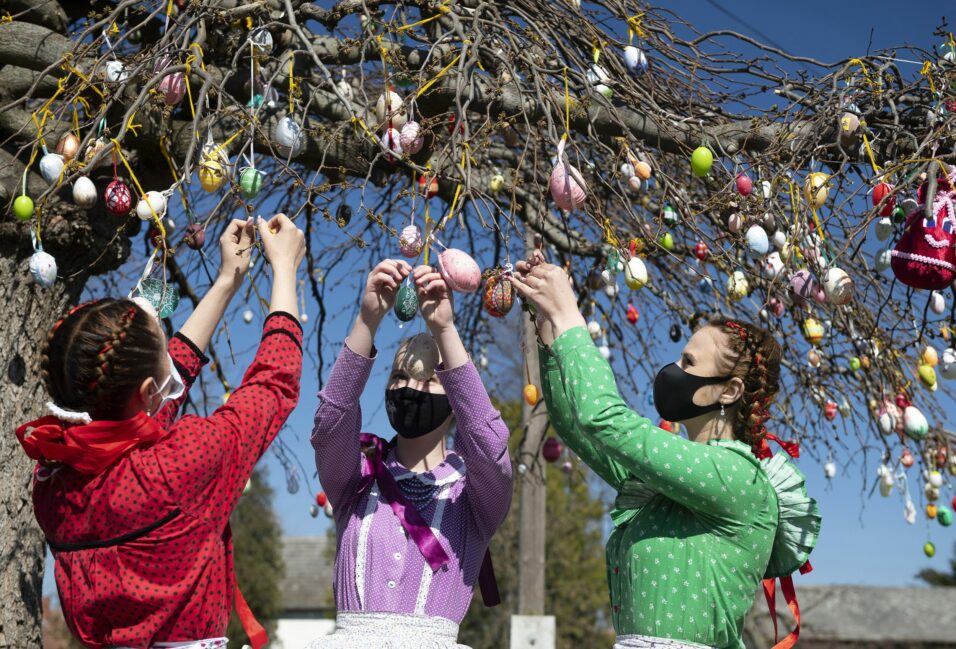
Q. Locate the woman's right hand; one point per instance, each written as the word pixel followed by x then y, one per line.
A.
pixel 381 288
pixel 282 241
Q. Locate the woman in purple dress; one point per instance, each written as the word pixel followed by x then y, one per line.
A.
pixel 413 516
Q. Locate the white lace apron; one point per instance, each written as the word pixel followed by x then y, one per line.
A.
pixel 390 631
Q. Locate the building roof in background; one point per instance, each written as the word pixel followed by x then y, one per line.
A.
pixel 307 585
pixel 862 614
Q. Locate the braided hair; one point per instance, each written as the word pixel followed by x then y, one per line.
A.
pixel 756 355
pixel 98 355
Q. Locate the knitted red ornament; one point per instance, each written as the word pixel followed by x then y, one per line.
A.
pixel 118 198
pixel 924 256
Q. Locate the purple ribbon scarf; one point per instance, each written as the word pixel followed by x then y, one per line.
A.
pixel 374 470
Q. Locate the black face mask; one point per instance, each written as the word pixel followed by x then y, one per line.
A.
pixel 413 413
pixel 674 391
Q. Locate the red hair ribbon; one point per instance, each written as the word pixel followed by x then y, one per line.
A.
pixel 763 451
pixel 738 328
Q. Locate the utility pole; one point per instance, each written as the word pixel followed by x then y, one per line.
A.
pixel 531 628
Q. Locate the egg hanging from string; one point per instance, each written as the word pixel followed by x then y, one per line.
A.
pixel 701 161
pixel 567 185
pixel 738 287
pixel 432 186
pixel 460 271
pixel 883 260
pixel 43 268
pixel 410 241
pixel 838 286
pixel 757 240
pixel 23 207
pixel 68 146
pixel 635 60
pixel 882 195
pixel 598 77
pixel 499 295
pixel 250 182
pixel 418 357
pixel 812 330
pixel 153 203
pixel 84 192
pixel 390 111
pixel 51 166
pixel 884 228
pixel 915 424
pixel 635 273
pixel 173 88
pixel 343 215
pixel 93 149
pixel 261 41
pixel 118 199
pixel 411 138
pixel 406 303
pixel 632 314
pixel 288 138
pixel 816 189
pixel 195 236
pixel 213 168
pixel 497 183
pixel 744 184
pixel 116 71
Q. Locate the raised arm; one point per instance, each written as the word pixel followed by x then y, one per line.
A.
pixel 481 436
pixel 710 480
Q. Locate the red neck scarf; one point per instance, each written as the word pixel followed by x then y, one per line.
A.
pixel 89 448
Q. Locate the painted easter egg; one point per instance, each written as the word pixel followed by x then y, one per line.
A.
pixel 173 88
pixel 772 265
pixel 927 375
pixel 117 198
pixel 390 111
pixel 84 192
pixel 744 184
pixel 43 268
pixel 757 240
pixel 418 357
pixel 406 303
pixel 498 296
pixel 914 423
pixel 883 260
pixel 701 251
pixel 261 41
pixel 496 184
pixel 734 222
pixel 881 195
pixel 411 138
pixel 195 237
pixel 94 149
pixel 701 160
pixel 23 207
pixel 568 188
pixel 738 287
pixel 432 186
pixel 410 241
pixel 250 182
pixel 635 273
pixel 642 169
pixel 288 138
pixel 838 286
pixel 68 146
pixel 150 206
pixel 929 356
pixel 116 71
pixel 212 173
pixel 884 228
pixel 51 166
pixel 635 60
pixel 594 329
pixel 666 240
pixel 805 287
pixel 812 330
pixel 816 189
pixel 670 215
pixel 392 141
pixel 459 270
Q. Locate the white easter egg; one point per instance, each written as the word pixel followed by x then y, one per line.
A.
pixel 51 166
pixel 779 239
pixel 766 188
pixel 84 192
pixel 838 286
pixel 937 302
pixel 43 268
pixel 884 228
pixel 635 60
pixel 392 141
pixel 288 137
pixel 152 199
pixel 635 273
pixel 390 111
pixel 947 365
pixel 605 352
pixel 594 329
pixel 883 260
pixel 116 71
pixel 830 470
pixel 757 240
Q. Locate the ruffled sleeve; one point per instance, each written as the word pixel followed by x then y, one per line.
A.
pixel 799 525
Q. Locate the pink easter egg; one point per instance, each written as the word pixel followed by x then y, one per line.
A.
pixel 411 138
pixel 173 88
pixel 459 270
pixel 568 188
pixel 805 287
pixel 744 184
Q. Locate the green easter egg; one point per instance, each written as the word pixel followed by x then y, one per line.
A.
pixel 898 214
pixel 945 516
pixel 23 207
pixel 163 296
pixel 929 550
pixel 406 303
pixel 701 160
pixel 667 241
pixel 855 363
pixel 251 183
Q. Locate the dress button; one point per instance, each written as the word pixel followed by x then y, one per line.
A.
pixel 391 584
pixel 398 556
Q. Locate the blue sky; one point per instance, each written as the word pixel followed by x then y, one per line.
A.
pixel 864 538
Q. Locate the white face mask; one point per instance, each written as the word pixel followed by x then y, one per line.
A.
pixel 175 383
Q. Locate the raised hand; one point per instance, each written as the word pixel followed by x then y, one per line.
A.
pixel 235 247
pixel 434 299
pixel 548 288
pixel 381 287
pixel 283 242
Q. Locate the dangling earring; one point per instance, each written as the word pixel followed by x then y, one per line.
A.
pixel 722 410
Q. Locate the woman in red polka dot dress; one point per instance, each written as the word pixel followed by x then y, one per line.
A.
pixel 134 502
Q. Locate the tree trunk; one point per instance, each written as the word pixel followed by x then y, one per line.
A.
pixel 27 312
pixel 533 493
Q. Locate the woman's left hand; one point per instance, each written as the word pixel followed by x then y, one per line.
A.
pixel 235 247
pixel 434 299
pixel 548 288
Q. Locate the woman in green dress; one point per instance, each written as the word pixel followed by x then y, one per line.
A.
pixel 699 522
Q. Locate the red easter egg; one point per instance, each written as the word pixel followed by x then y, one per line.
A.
pixel 432 186
pixel 195 236
pixel 498 296
pixel 701 251
pixel 321 499
pixel 118 198
pixel 551 451
pixel 881 191
pixel 744 184
pixel 632 314
pixel 830 410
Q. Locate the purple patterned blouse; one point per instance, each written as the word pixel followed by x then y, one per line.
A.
pixel 378 567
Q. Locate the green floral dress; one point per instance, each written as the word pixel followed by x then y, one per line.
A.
pixel 696 525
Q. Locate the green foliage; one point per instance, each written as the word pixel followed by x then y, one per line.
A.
pixel 576 591
pixel 936 578
pixel 259 568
